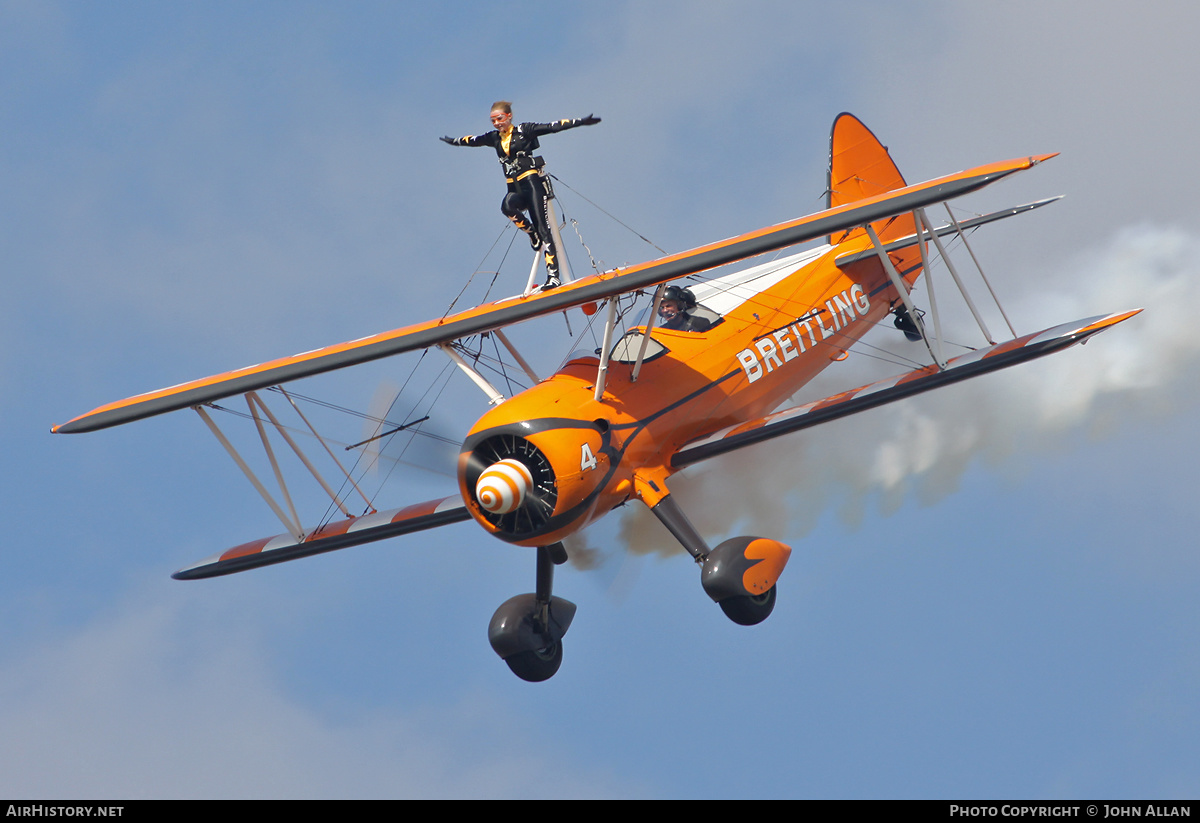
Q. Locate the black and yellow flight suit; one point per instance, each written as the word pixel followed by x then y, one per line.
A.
pixel 525 202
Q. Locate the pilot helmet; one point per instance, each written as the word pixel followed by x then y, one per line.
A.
pixel 682 294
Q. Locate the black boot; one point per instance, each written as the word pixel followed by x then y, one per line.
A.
pixel 530 229
pixel 552 280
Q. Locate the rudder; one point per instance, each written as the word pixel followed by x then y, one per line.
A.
pixel 860 167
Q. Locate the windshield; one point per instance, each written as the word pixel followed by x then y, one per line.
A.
pixel 627 348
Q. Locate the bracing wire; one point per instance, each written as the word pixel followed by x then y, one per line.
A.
pixel 610 215
pixel 479 270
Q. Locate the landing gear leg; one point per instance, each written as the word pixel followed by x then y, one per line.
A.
pixel 527 630
pixel 671 516
pixel 739 575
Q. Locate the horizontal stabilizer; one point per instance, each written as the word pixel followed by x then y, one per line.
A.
pixel 516 309
pixel 978 362
pixel 911 240
pixel 339 535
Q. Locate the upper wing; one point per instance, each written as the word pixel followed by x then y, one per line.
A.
pixel 969 365
pixel 846 260
pixel 512 310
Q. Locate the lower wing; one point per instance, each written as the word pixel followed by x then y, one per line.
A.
pixel 978 362
pixel 340 535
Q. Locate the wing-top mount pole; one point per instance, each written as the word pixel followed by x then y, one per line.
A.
pixel 898 282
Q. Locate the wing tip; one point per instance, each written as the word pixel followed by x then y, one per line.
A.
pixel 80 425
pixel 197 571
pixel 1110 320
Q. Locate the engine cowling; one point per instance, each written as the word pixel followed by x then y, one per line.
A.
pixel 534 481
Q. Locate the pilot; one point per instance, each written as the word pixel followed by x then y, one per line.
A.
pixel 674 311
pixel 525 203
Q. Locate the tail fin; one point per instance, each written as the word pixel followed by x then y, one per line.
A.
pixel 860 167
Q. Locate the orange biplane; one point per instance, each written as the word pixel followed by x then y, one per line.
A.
pixel 615 423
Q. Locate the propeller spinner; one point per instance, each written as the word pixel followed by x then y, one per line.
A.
pixel 502 486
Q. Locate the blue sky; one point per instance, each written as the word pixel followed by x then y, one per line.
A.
pixel 992 592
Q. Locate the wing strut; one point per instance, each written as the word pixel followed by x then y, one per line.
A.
pixel 531 284
pixel 923 234
pixel 606 348
pixel 251 399
pixel 923 248
pixel 564 268
pixel 494 396
pixel 923 218
pixel 986 282
pixel 332 456
pixel 279 427
pixel 293 526
pixel 259 410
pixel 637 366
pixel 517 356
pixel 898 282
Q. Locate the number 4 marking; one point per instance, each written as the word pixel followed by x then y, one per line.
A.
pixel 587 460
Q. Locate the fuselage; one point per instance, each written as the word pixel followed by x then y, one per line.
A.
pixel 781 324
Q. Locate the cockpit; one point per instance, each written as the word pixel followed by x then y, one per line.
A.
pixel 677 311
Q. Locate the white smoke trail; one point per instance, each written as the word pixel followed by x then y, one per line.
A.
pixel 923 445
